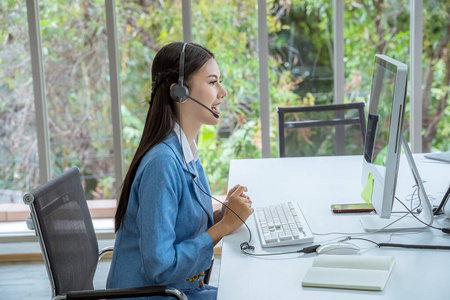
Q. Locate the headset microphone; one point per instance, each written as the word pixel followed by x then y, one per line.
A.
pixel 199 103
pixel 179 92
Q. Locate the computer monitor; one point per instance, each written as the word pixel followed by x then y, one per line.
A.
pixel 383 145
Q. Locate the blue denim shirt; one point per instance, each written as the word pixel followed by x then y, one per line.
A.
pixel 162 239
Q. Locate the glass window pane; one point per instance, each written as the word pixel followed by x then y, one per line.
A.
pixel 144 27
pixel 230 30
pixel 436 76
pixel 372 28
pixel 301 51
pixel 78 100
pixel 301 71
pixel 19 170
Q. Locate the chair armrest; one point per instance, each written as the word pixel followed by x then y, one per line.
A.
pixel 29 222
pixel 104 251
pixel 147 291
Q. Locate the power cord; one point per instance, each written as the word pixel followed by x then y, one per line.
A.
pixel 438 210
pixel 407 246
pixel 445 230
pixel 305 250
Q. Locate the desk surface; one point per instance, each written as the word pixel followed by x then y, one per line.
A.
pixel 316 183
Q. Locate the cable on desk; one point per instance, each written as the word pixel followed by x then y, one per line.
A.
pixel 412 246
pixel 353 238
pixel 438 210
pixel 445 230
pixel 305 250
pixel 407 246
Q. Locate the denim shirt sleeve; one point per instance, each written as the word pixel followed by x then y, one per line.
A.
pixel 170 251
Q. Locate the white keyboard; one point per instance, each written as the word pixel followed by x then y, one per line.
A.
pixel 281 225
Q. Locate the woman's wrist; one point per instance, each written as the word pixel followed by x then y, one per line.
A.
pixel 219 230
pixel 218 215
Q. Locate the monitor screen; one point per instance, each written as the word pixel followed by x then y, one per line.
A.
pixel 380 113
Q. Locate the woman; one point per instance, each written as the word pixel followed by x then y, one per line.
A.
pixel 166 228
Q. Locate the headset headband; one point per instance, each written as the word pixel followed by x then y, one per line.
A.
pixel 181 71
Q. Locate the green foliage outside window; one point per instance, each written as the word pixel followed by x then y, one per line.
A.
pixel 300 73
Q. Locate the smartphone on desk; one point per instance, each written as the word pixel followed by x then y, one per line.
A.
pixel 352 208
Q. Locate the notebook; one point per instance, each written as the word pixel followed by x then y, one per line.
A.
pixel 357 272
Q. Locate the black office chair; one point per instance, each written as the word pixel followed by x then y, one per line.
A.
pixel 63 225
pixel 309 130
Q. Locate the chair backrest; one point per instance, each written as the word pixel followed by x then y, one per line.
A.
pixel 65 231
pixel 309 130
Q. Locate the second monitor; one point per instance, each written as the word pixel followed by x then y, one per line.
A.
pixel 383 146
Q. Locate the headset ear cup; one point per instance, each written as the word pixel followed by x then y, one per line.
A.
pixel 178 92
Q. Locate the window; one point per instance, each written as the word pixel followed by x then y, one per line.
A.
pixel 436 76
pixel 19 169
pixel 300 70
pixel 300 45
pixel 302 52
pixel 144 27
pixel 229 29
pixel 76 77
pixel 371 27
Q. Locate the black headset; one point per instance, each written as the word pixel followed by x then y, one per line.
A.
pixel 180 92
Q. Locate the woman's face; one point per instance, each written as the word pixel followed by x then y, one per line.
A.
pixel 205 87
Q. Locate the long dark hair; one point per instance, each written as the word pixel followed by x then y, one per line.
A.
pixel 162 113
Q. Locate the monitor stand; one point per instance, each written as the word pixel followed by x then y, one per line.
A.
pixel 375 223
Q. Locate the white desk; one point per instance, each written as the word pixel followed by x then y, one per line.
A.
pixel 316 183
